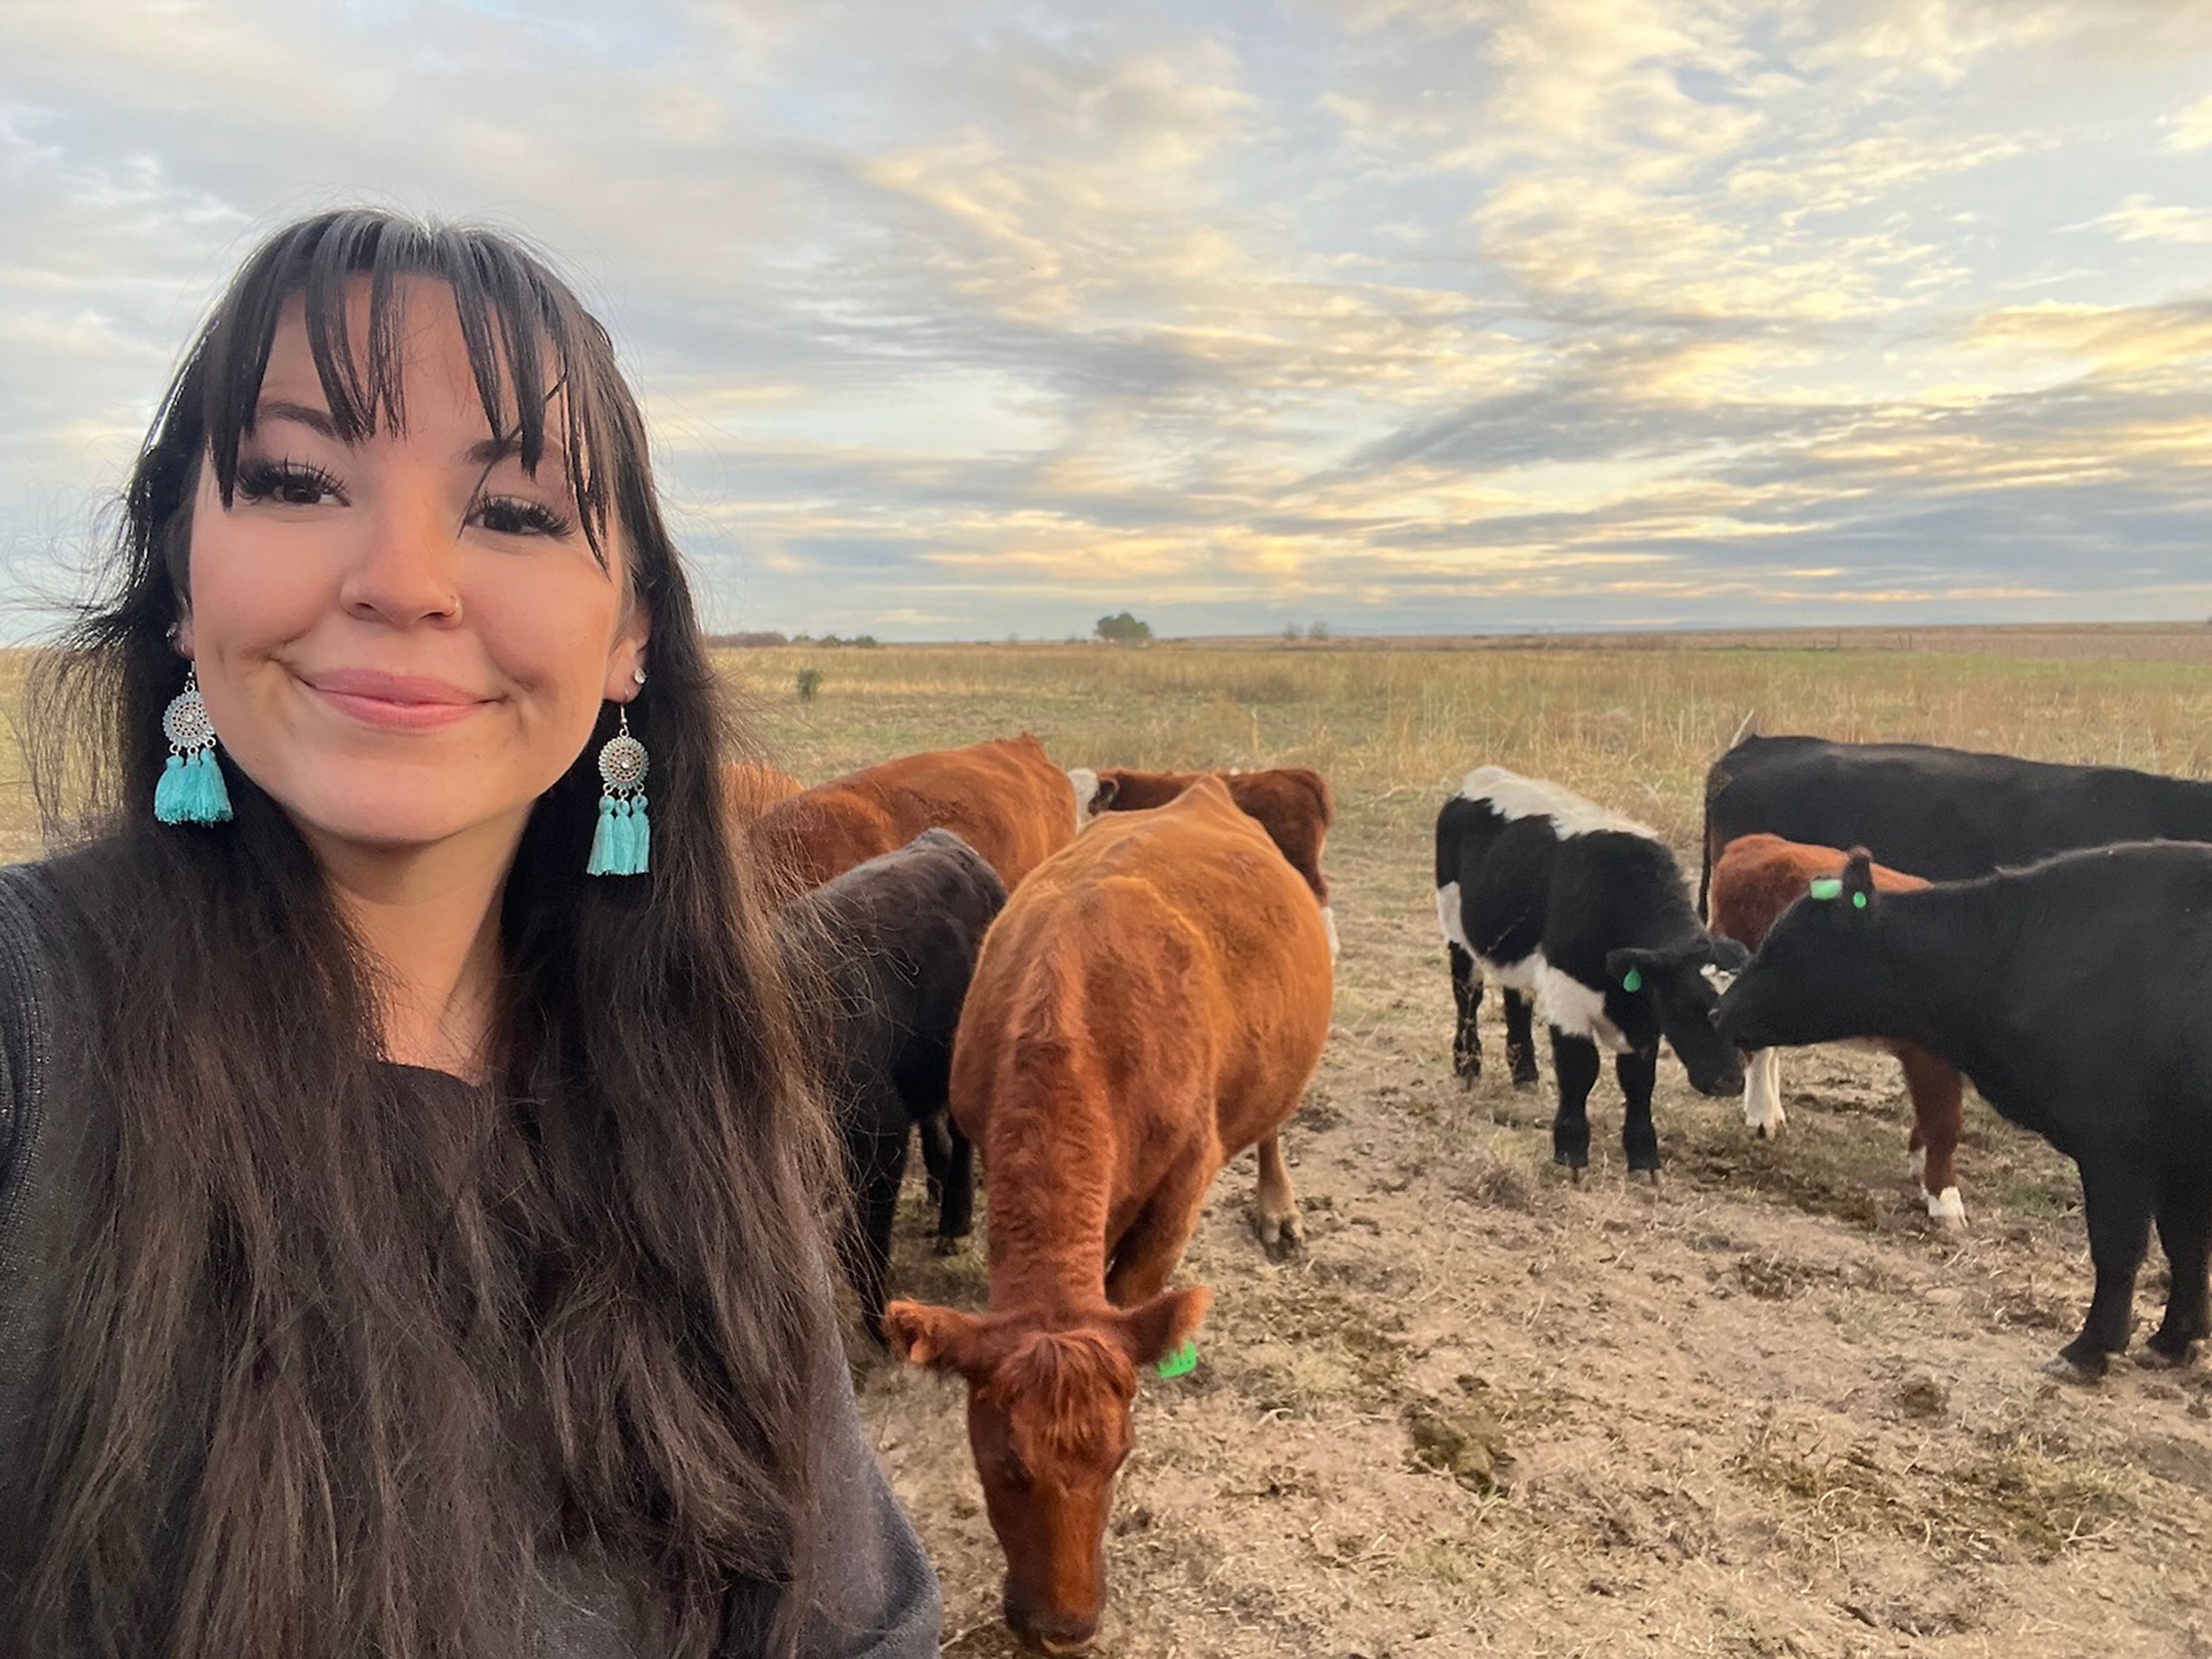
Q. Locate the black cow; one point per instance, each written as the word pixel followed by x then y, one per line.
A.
pixel 2073 995
pixel 1944 814
pixel 1588 916
pixel 891 944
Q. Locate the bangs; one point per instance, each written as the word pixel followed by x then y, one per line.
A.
pixel 530 346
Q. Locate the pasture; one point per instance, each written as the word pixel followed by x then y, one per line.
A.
pixel 1762 1411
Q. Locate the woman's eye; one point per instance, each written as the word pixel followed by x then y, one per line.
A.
pixel 293 483
pixel 514 515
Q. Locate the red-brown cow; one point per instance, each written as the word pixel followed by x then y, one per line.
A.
pixel 1004 797
pixel 1759 877
pixel 750 788
pixel 1151 1002
pixel 1293 804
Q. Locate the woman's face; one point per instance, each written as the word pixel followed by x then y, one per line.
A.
pixel 404 640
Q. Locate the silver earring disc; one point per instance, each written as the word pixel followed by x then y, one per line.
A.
pixel 185 722
pixel 622 762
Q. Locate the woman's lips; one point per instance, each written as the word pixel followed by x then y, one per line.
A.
pixel 395 703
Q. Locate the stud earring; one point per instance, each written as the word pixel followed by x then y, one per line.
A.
pixel 191 789
pixel 622 843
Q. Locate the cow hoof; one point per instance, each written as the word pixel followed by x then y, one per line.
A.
pixel 1644 1178
pixel 1947 1210
pixel 1766 1129
pixel 948 1244
pixel 2081 1369
pixel 1281 1239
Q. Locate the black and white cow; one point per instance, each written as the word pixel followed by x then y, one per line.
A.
pixel 1944 814
pixel 2073 994
pixel 1587 917
pixel 890 946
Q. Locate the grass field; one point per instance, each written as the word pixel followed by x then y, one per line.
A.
pixel 1762 1412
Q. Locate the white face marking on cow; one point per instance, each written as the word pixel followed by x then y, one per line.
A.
pixel 1086 791
pixel 1512 796
pixel 1448 918
pixel 1762 1094
pixel 1576 1008
pixel 1329 921
pixel 1717 976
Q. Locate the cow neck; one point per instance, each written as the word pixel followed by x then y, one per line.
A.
pixel 1049 1208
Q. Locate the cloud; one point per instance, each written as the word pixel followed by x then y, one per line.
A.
pixel 1416 313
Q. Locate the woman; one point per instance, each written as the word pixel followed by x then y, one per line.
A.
pixel 409 1241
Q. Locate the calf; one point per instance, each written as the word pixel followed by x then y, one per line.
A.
pixel 1004 797
pixel 2072 993
pixel 1293 804
pixel 1587 916
pixel 1759 877
pixel 1944 814
pixel 1152 1002
pixel 891 946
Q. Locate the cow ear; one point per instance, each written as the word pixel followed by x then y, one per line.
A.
pixel 1858 879
pixel 1626 970
pixel 941 1339
pixel 1154 1329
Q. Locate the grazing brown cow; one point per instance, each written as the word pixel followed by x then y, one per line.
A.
pixel 1004 797
pixel 1759 877
pixel 750 788
pixel 1293 804
pixel 1149 1003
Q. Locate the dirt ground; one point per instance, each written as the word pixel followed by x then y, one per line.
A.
pixel 1762 1411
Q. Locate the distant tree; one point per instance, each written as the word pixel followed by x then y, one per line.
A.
pixel 863 641
pixel 1124 630
pixel 809 682
pixel 754 640
pixel 1317 631
pixel 1292 631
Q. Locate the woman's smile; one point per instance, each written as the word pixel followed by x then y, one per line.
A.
pixel 394 702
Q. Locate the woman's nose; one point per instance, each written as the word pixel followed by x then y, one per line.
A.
pixel 408 567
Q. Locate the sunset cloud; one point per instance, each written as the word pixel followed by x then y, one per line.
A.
pixel 1414 314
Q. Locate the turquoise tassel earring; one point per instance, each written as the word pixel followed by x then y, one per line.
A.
pixel 622 843
pixel 191 789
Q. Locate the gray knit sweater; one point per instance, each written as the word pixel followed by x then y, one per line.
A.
pixel 880 1597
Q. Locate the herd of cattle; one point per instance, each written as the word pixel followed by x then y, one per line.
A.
pixel 1109 983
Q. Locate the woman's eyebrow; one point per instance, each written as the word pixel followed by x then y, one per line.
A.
pixel 485 454
pixel 315 420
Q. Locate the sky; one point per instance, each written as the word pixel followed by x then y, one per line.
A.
pixel 958 321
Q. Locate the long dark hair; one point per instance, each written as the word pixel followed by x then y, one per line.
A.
pixel 360 1362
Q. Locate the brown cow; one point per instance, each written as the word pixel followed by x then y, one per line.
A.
pixel 1150 1003
pixel 750 788
pixel 1293 804
pixel 1759 877
pixel 1004 797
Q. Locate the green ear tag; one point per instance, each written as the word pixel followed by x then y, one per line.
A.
pixel 1182 1362
pixel 1632 981
pixel 1828 887
pixel 1858 901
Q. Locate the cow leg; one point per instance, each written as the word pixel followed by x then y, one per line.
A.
pixel 2115 1199
pixel 1466 998
pixel 1639 1137
pixel 1274 1205
pixel 1762 1095
pixel 1574 1060
pixel 1938 1116
pixel 1141 1261
pixel 937 1133
pixel 2184 1230
pixel 878 1165
pixel 1519 1037
pixel 956 1209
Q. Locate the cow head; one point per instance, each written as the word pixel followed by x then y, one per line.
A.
pixel 1048 1422
pixel 1676 988
pixel 1093 794
pixel 1808 983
